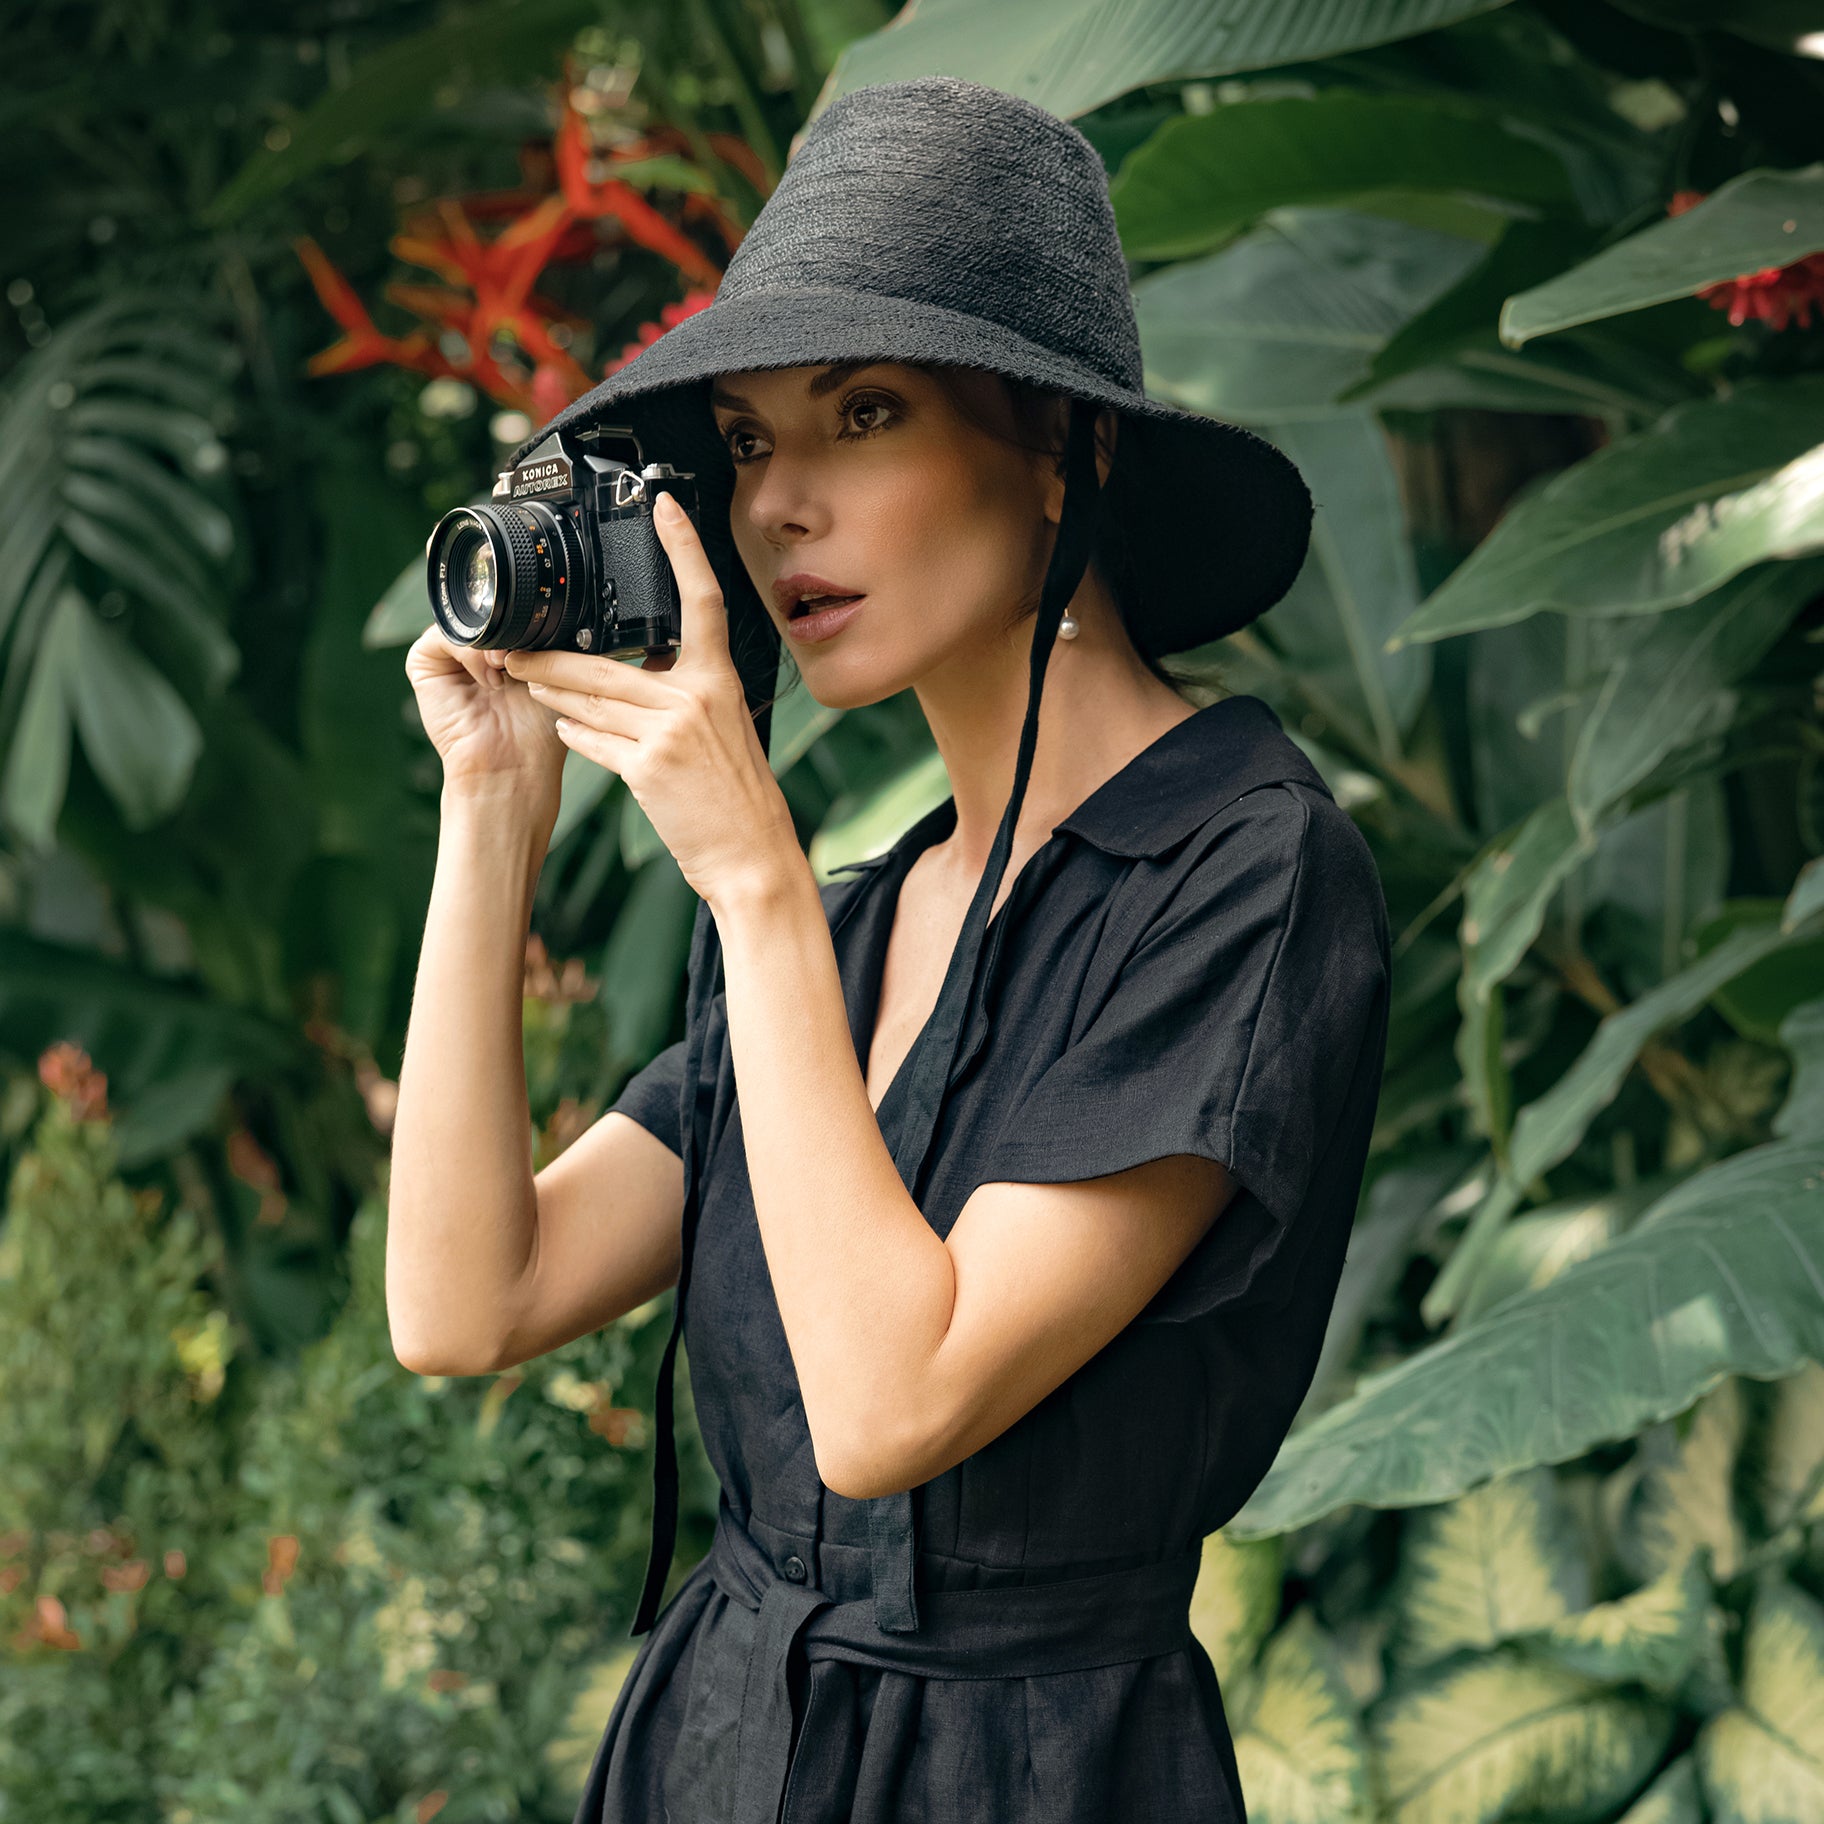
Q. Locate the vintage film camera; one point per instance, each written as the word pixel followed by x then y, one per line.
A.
pixel 564 556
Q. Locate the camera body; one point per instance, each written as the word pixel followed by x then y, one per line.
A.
pixel 564 556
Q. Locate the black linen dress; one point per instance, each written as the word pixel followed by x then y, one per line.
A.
pixel 1194 962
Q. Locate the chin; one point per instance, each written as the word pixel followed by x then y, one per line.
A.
pixel 831 691
pixel 849 680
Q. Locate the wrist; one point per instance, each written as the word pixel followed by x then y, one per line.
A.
pixel 771 884
pixel 499 799
pixel 508 827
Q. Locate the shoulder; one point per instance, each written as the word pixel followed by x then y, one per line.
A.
pixel 1287 844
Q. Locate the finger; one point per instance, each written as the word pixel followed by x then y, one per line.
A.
pixel 606 749
pixel 610 714
pixel 704 634
pixel 471 659
pixel 589 672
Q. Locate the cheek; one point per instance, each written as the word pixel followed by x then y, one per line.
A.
pixel 949 538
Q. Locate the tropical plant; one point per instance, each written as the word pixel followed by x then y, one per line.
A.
pixel 1529 291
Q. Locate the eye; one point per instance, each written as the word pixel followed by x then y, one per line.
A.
pixel 865 403
pixel 864 409
pixel 732 436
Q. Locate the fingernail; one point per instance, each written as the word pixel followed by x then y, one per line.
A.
pixel 666 506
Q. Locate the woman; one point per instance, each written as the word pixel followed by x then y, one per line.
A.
pixel 1007 1182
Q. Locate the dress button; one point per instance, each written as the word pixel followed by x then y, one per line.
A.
pixel 794 1568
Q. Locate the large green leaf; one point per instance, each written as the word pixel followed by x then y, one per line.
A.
pixel 1791 1464
pixel 1547 1129
pixel 1806 899
pixel 1756 220
pixel 1510 1736
pixel 403 612
pixel 645 958
pixel 1653 1635
pixel 1718 1278
pixel 1356 585
pixel 412 80
pixel 1801 1116
pixel 1653 521
pixel 1756 999
pixel 1504 906
pixel 1502 1560
pixel 1684 1500
pixel 1073 55
pixel 1202 177
pixel 1763 1759
pixel 1236 1600
pixel 1277 324
pixel 1665 680
pixel 1673 1798
pixel 860 830
pixel 1299 1744
pixel 137 731
pixel 1535 1248
pixel 1461 317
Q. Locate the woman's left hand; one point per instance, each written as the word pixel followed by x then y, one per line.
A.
pixel 678 731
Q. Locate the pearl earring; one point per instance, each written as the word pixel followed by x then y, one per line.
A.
pixel 1067 628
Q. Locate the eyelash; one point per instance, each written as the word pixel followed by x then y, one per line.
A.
pixel 851 403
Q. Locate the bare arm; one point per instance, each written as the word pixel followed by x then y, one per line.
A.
pixel 914 1351
pixel 486 1266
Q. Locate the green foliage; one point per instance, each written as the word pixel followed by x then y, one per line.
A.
pixel 1074 56
pixel 1719 1276
pixel 1654 521
pixel 1546 1543
pixel 1759 219
pixel 209 1595
pixel 1203 176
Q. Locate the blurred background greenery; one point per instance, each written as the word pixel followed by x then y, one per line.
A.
pixel 1532 292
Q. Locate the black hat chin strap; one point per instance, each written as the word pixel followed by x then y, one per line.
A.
pixel 891 1526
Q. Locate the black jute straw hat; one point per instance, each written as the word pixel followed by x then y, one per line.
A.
pixel 940 222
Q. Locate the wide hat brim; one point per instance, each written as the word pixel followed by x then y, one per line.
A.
pixel 1214 521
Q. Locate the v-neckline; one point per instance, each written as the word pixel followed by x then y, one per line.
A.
pixel 899 862
pixel 886 913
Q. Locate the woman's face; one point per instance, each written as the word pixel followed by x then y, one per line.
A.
pixel 868 479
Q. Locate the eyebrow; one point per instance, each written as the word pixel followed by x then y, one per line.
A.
pixel 826 382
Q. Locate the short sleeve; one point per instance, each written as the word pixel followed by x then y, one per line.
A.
pixel 1247 1025
pixel 652 1096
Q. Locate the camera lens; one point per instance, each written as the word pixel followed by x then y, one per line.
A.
pixel 480 578
pixel 502 576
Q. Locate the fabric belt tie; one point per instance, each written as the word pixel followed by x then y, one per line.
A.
pixel 1011 1631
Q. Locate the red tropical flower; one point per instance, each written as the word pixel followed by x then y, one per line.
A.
pixel 1778 295
pixel 484 322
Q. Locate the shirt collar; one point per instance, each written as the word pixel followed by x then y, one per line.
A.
pixel 1195 769
pixel 1169 789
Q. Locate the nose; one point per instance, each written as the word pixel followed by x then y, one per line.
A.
pixel 786 505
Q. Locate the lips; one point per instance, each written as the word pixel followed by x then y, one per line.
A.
pixel 803 592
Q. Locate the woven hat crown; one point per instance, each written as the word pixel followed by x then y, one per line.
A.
pixel 953 195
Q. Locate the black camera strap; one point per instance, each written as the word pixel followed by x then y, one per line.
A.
pixel 891 1522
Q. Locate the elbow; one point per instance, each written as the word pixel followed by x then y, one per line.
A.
pixel 885 1462
pixel 418 1357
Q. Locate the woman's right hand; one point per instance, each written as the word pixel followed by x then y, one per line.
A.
pixel 486 727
